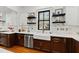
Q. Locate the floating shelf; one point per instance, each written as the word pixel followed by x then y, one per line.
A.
pixel 2 21
pixel 56 15
pixel 31 17
pixel 31 23
pixel 59 22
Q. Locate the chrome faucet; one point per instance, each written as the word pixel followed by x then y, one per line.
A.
pixel 43 30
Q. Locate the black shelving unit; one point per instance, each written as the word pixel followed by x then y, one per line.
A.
pixel 31 17
pixel 31 23
pixel 57 15
pixel 59 22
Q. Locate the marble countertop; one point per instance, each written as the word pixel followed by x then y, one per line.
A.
pixel 25 32
pixel 46 36
pixel 7 32
pixel 68 35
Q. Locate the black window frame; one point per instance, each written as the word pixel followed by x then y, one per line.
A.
pixel 43 19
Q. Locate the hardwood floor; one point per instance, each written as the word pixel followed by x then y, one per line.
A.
pixel 20 49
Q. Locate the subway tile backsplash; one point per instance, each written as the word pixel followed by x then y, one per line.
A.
pixel 65 29
pixel 57 29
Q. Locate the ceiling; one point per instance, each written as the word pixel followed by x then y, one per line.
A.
pixel 20 8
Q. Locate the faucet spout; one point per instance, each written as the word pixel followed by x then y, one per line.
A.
pixel 43 30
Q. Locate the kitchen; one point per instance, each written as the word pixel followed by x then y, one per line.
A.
pixel 39 29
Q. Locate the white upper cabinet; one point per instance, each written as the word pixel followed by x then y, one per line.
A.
pixel 72 15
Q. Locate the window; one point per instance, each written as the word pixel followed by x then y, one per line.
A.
pixel 44 20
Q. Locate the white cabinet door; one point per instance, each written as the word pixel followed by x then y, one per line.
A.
pixel 72 15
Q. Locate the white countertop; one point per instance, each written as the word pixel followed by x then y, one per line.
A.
pixel 25 32
pixel 7 32
pixel 45 36
pixel 68 35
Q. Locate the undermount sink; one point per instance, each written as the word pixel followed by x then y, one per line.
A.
pixel 42 36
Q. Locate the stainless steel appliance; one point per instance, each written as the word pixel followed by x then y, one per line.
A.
pixel 28 40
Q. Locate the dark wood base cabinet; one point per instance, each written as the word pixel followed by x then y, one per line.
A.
pixel 58 45
pixel 20 39
pixel 61 45
pixel 7 40
pixel 55 45
pixel 41 45
pixel 76 46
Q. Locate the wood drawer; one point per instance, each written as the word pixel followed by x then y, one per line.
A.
pixel 45 45
pixel 58 44
pixel 36 43
pixel 41 45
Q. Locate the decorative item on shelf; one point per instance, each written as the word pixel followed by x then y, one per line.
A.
pixel 58 12
pixel 31 18
pixel 56 15
pixel 11 28
pixel 31 15
pixel 22 28
pixel 19 30
pixel 59 16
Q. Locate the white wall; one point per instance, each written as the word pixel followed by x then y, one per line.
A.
pixel 71 19
pixel 11 20
pixel 72 15
pixel 3 18
pixel 39 8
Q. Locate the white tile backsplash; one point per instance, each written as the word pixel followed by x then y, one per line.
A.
pixel 65 29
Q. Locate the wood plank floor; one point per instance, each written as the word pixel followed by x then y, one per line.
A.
pixel 20 49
